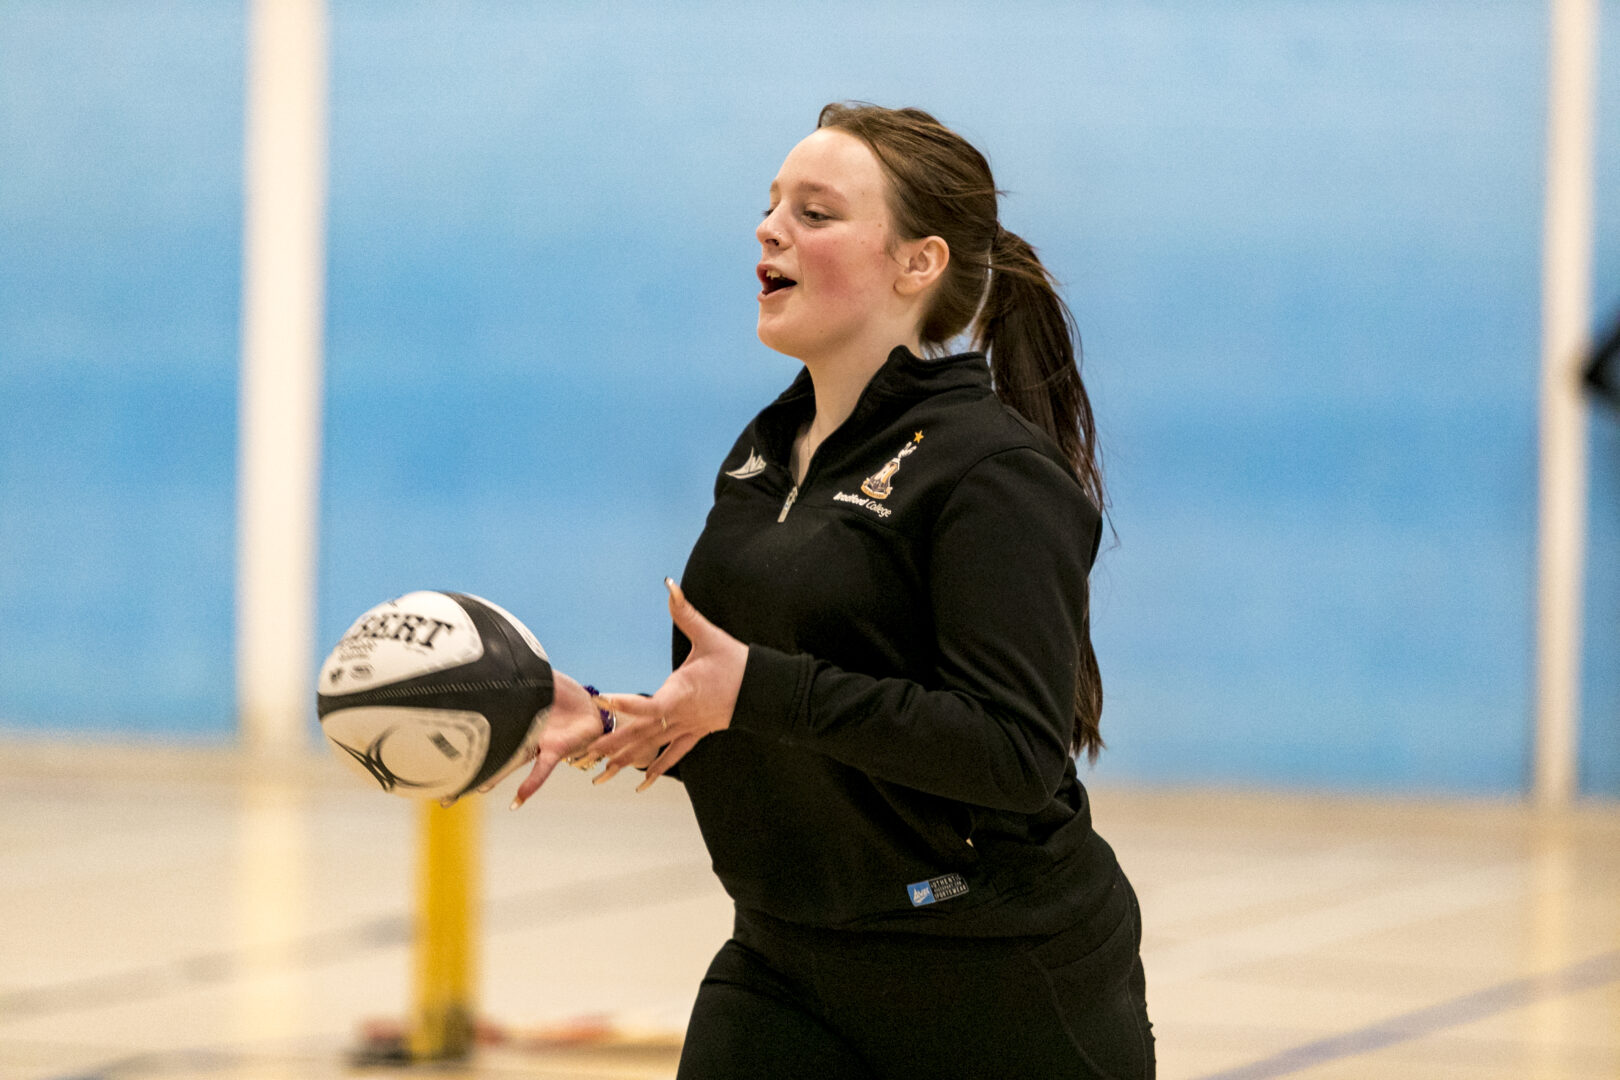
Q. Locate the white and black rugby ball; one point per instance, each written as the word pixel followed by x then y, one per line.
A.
pixel 431 694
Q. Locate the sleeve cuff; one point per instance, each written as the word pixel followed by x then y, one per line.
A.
pixel 770 699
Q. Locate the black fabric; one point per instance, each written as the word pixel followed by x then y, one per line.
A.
pixel 907 705
pixel 787 1001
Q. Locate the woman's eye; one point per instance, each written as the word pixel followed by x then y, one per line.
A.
pixel 808 215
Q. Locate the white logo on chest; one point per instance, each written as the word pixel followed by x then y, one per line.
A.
pixel 861 500
pixel 750 468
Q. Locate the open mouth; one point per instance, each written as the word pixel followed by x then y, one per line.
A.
pixel 773 281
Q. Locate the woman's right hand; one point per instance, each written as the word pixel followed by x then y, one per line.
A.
pixel 571 725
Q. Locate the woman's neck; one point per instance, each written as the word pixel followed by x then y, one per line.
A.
pixel 838 381
pixel 838 388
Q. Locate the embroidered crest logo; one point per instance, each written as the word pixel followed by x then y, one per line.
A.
pixel 750 468
pixel 880 483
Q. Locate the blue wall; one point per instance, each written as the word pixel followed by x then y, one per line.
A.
pixel 1302 241
pixel 120 224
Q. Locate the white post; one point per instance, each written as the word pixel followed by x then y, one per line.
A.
pixel 1566 299
pixel 283 283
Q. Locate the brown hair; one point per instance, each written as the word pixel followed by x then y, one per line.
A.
pixel 941 186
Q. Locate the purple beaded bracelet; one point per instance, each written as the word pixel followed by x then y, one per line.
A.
pixel 609 721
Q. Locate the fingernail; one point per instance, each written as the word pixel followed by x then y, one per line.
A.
pixel 517 801
pixel 669 583
pixel 645 784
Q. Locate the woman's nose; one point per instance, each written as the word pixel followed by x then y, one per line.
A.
pixel 767 232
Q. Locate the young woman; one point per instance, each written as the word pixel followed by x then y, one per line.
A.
pixel 883 664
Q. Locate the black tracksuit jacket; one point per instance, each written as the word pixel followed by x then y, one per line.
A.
pixel 898 757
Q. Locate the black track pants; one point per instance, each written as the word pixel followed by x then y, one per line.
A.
pixel 790 1003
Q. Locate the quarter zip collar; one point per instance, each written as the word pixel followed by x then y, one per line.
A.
pixel 903 378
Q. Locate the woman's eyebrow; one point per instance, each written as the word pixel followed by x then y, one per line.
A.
pixel 810 187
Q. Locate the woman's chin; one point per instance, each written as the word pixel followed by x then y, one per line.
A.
pixel 772 337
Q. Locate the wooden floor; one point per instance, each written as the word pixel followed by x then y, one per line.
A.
pixel 185 914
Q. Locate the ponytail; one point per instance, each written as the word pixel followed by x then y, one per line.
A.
pixel 941 186
pixel 1029 334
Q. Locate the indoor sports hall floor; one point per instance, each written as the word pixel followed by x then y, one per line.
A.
pixel 184 914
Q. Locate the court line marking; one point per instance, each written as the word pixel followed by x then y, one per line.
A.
pixel 1589 974
pixel 642 888
pixel 198 1062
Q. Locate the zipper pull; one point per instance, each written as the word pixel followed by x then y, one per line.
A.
pixel 788 505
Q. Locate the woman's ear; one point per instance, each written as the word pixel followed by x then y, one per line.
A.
pixel 921 264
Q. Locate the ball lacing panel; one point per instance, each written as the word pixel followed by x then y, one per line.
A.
pixel 348 700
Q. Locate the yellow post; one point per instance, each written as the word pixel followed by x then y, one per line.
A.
pixel 446 932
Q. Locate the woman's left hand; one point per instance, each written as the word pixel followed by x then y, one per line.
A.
pixel 697 698
pixel 571 724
